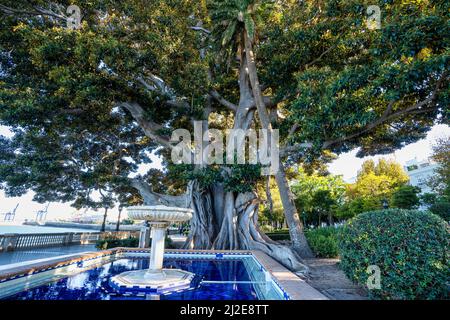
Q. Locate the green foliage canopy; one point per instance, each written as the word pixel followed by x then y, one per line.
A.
pixel 375 183
pixel 68 95
pixel 317 194
pixel 440 181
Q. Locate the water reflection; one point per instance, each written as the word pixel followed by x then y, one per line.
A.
pixel 214 280
pixel 78 281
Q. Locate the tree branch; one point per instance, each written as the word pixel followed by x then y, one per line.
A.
pixel 227 104
pixel 296 147
pixel 149 127
pixel 293 129
pixel 160 87
pixel 152 198
pixel 319 57
pixel 326 51
pixel 197 28
pixel 388 115
pixel 33 11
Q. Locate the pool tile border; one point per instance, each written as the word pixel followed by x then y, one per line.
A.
pixel 290 284
pixel 295 287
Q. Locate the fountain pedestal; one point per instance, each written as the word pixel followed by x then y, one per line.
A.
pixel 157 247
pixel 155 278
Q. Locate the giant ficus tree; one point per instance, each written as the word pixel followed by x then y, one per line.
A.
pixel 137 70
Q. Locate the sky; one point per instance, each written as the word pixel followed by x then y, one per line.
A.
pixel 346 165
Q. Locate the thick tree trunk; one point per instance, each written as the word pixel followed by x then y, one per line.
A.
pixel 203 226
pixel 295 226
pixel 229 221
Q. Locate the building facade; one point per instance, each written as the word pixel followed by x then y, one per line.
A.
pixel 419 173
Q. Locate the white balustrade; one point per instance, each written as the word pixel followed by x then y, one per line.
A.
pixel 10 242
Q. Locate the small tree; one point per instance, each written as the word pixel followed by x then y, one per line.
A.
pixel 375 183
pixel 409 247
pixel 322 202
pixel 126 196
pixel 317 195
pixel 106 202
pixel 428 199
pixel 406 197
pixel 271 208
pixel 439 182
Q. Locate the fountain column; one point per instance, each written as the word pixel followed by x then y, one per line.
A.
pixel 157 247
pixel 155 279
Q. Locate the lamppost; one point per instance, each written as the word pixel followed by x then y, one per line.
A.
pixel 385 204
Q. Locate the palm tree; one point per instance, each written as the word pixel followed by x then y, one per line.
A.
pixel 236 20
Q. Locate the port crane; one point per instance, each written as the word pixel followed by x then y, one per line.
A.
pixel 9 216
pixel 41 215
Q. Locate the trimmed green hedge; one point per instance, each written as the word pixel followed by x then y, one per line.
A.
pixel 410 247
pixel 323 241
pixel 109 243
pixel 133 242
pixel 279 235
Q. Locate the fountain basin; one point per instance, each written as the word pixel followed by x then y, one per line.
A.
pixel 159 213
pixel 145 281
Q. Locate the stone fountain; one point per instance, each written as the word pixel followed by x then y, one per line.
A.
pixel 155 278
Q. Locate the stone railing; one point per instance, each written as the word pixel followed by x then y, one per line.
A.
pixel 11 242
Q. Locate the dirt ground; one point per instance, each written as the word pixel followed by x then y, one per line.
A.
pixel 331 281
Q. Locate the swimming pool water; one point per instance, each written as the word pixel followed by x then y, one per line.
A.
pixel 226 279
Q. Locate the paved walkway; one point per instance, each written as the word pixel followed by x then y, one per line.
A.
pixel 326 277
pixel 34 254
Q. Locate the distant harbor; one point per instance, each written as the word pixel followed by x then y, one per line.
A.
pixel 19 229
pixel 60 227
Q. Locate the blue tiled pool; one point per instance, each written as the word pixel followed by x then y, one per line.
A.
pixel 224 278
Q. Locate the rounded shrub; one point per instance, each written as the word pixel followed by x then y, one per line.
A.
pixel 410 248
pixel 323 241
